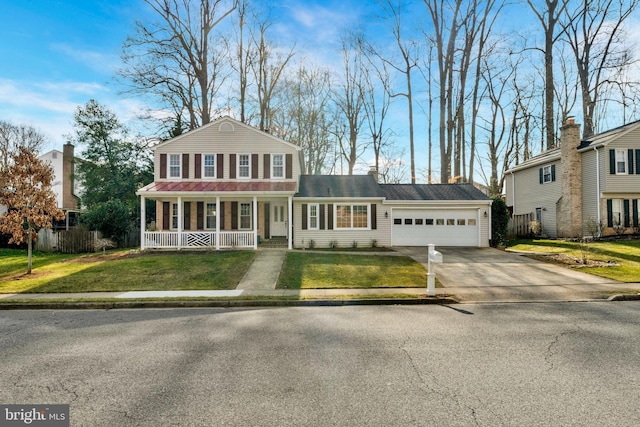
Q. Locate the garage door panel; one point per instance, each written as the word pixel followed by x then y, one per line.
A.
pixel 419 227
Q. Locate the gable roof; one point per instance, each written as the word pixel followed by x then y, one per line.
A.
pixel 338 186
pixel 605 137
pixel 432 192
pixel 234 122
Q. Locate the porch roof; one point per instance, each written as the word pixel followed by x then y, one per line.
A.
pixel 165 187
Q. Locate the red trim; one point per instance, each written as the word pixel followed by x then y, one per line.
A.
pixel 209 186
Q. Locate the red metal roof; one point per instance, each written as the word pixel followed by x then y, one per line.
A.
pixel 218 186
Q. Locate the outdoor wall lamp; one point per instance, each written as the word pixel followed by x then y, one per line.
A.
pixel 485 214
pixel 386 214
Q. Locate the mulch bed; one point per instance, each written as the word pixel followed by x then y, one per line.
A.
pixel 571 261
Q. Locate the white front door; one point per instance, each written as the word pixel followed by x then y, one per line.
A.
pixel 278 220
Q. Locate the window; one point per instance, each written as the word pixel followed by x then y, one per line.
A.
pixel 418 221
pixel 439 221
pixel 471 221
pixel 244 165
pixel 352 216
pixel 245 216
pixel 174 165
pixel 451 221
pixel 546 174
pixel 210 216
pixel 429 221
pixel 408 221
pixel 313 217
pixel 174 216
pixel 277 165
pixel 209 166
pixel 461 222
pixel 397 221
pixel 617 212
pixel 621 162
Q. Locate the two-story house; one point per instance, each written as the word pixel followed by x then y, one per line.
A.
pixel 228 185
pixel 581 183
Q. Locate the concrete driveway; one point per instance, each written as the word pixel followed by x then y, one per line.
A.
pixel 492 275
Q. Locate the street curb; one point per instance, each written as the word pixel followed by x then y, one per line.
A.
pixel 96 305
pixel 624 297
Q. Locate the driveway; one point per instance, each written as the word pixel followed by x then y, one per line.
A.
pixel 492 275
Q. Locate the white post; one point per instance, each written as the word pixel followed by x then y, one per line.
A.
pixel 217 223
pixel 180 219
pixel 431 274
pixel 290 221
pixel 143 222
pixel 255 222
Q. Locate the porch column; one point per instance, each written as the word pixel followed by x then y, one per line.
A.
pixel 143 221
pixel 255 222
pixel 290 221
pixel 180 220
pixel 217 223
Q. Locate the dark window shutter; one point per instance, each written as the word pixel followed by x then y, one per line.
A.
pixel 637 162
pixel 267 166
pixel 553 173
pixel 232 166
pixel 612 162
pixel 304 216
pixel 289 166
pixel 163 165
pixel 254 166
pixel 221 213
pixel 187 215
pixel 627 213
pixel 635 212
pixel 374 219
pixel 630 160
pixel 322 223
pixel 200 215
pixel 330 216
pixel 609 213
pixel 166 215
pixel 541 176
pixel 198 166
pixel 185 166
pixel 220 166
pixel 267 220
pixel 234 215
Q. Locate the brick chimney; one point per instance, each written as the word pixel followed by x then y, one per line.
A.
pixel 569 207
pixel 69 200
pixel 373 172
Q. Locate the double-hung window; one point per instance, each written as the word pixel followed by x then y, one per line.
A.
pixel 245 216
pixel 277 165
pixel 244 165
pixel 210 216
pixel 617 212
pixel 352 216
pixel 174 166
pixel 209 166
pixel 621 162
pixel 174 216
pixel 546 174
pixel 313 216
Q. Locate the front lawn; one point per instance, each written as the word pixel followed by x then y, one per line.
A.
pixel 624 253
pixel 123 271
pixel 326 271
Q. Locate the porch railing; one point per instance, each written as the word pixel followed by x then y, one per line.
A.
pixel 197 239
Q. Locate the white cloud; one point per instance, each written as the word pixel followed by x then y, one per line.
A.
pixel 101 62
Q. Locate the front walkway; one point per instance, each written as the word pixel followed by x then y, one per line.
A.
pixel 264 271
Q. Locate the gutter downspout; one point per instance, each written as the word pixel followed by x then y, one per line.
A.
pixel 598 189
pixel 513 192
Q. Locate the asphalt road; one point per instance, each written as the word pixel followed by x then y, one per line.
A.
pixel 550 364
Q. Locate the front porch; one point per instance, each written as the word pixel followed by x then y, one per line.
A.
pixel 215 223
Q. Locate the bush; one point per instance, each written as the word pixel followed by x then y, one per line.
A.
pixel 499 222
pixel 111 218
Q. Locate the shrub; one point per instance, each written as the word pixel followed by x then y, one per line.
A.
pixel 499 222
pixel 333 244
pixel 111 218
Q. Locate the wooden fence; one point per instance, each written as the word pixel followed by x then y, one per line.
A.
pixel 76 240
pixel 520 225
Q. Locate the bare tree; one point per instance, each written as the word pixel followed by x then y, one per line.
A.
pixel 12 137
pixel 594 34
pixel 548 13
pixel 349 98
pixel 175 60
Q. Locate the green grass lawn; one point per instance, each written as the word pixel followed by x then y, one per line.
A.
pixel 317 271
pixel 625 253
pixel 122 271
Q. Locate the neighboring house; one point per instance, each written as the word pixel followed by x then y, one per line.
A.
pixel 64 185
pixel 227 184
pixel 580 184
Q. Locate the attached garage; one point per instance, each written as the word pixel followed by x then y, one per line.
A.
pixel 442 227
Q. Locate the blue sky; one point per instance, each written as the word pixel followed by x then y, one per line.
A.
pixel 58 54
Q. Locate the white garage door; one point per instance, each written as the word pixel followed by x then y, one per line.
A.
pixel 442 227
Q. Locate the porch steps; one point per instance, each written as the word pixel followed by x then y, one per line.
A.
pixel 277 242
